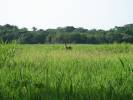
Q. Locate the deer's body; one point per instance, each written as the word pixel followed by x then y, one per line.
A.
pixel 67 47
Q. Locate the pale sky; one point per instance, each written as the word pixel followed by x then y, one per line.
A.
pixel 45 14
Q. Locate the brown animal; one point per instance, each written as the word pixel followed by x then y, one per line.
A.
pixel 67 47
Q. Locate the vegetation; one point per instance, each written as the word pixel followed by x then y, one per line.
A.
pixel 50 72
pixel 70 34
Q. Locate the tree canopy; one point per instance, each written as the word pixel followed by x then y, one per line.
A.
pixel 69 34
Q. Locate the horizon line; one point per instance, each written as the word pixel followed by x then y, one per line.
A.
pixel 20 27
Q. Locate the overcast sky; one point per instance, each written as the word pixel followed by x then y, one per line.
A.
pixel 45 14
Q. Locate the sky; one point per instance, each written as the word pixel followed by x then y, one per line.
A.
pixel 44 14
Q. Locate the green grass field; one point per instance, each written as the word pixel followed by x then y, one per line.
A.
pixel 49 72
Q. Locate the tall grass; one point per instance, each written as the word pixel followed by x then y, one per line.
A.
pixel 49 72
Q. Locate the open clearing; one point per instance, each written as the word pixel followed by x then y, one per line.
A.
pixel 49 72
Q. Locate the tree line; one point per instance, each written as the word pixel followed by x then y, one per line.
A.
pixel 70 34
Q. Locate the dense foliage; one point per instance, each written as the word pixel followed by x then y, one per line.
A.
pixel 70 34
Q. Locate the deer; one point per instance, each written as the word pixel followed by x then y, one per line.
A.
pixel 67 47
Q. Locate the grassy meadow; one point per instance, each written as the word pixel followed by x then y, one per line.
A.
pixel 49 72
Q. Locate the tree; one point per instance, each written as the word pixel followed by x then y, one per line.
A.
pixel 71 34
pixel 34 28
